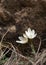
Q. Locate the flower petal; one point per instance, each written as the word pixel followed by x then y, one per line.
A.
pixel 19 41
pixel 35 35
pixel 21 38
pixel 33 31
pixel 29 30
pixel 23 41
pixel 25 35
pixel 30 33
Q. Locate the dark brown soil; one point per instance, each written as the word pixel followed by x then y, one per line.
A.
pixel 23 14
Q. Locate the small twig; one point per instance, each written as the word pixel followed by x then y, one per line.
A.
pixel 39 46
pixel 5 46
pixel 12 46
pixel 2 40
pixel 41 57
pixel 4 35
pixel 5 54
pixel 24 57
pixel 9 60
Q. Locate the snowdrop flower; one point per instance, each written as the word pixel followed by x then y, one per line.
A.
pixel 23 39
pixel 30 33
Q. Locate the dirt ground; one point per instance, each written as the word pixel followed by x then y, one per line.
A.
pixel 20 15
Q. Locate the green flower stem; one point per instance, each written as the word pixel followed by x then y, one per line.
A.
pixel 32 47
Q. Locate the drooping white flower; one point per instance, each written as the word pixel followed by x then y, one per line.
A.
pixel 22 39
pixel 30 33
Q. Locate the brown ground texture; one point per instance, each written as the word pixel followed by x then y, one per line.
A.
pixel 23 14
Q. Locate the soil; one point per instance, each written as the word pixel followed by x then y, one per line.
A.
pixel 23 14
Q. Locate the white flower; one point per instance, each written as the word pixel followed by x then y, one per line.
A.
pixel 23 39
pixel 30 33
